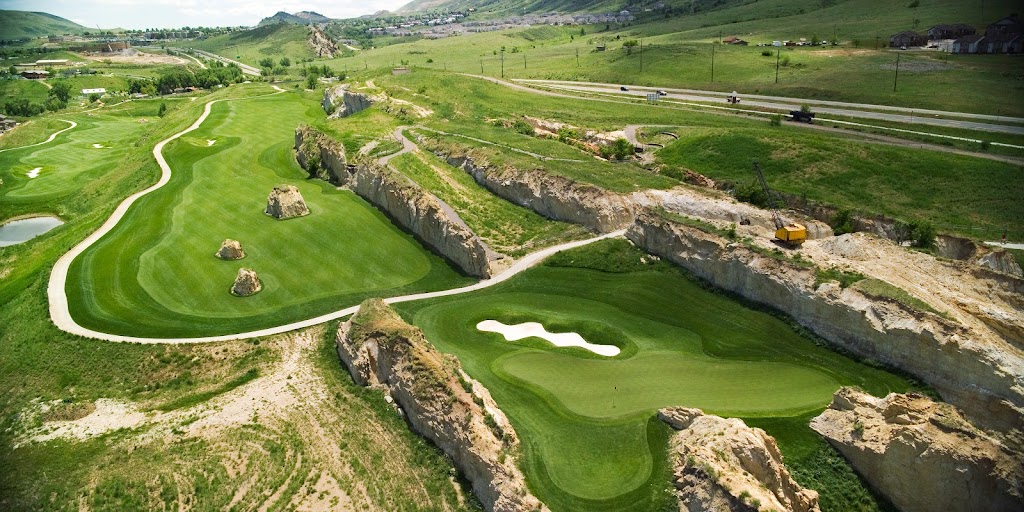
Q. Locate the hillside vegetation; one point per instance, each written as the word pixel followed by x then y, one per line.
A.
pixel 22 24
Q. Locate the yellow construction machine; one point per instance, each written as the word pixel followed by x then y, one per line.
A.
pixel 793 234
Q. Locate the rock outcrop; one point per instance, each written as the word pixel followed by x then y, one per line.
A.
pixel 985 379
pixel 321 156
pixel 340 102
pixel 230 250
pixel 723 465
pixel 965 249
pixel 922 455
pixel 285 202
pixel 321 44
pixel 410 206
pixel 246 283
pixel 439 401
pixel 552 196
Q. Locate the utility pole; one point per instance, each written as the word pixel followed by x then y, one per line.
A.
pixel 712 62
pixel 481 66
pixel 897 76
pixel 641 55
pixel 503 63
pixel 577 57
pixel 524 61
pixel 777 53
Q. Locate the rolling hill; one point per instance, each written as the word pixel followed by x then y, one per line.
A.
pixel 299 18
pixel 22 24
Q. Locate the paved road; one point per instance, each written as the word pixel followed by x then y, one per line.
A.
pixel 60 313
pixel 47 141
pixel 247 69
pixel 786 104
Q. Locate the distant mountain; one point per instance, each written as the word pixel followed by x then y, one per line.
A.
pixel 20 24
pixel 299 18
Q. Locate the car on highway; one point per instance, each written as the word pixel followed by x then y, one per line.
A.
pixel 662 93
pixel 623 88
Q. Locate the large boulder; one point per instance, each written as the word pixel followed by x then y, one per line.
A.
pixel 246 283
pixel 922 455
pixel 723 465
pixel 286 202
pixel 230 250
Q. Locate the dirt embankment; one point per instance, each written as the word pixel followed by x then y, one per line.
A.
pixel 439 401
pixel 409 205
pixel 923 455
pixel 322 45
pixel 980 372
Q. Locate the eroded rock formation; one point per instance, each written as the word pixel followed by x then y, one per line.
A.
pixel 246 283
pixel 340 102
pixel 230 250
pixel 552 196
pixel 922 455
pixel 322 156
pixel 285 202
pixel 406 203
pixel 439 402
pixel 723 465
pixel 984 376
pixel 321 44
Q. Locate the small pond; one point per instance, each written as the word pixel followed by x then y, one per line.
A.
pixel 23 230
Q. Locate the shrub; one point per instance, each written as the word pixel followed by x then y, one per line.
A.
pixel 522 127
pixel 844 278
pixel 843 222
pixel 93 98
pixel 163 109
pixel 775 120
pixel 766 53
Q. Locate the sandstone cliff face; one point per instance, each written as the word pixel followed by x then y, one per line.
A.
pixel 322 156
pixel 722 464
pixel 985 379
pixel 406 203
pixel 285 202
pixel 340 102
pixel 381 350
pixel 321 44
pixel 552 196
pixel 922 455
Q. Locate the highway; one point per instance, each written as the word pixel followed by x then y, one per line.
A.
pixel 246 69
pixel 854 110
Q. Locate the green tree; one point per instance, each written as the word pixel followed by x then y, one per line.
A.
pixel 311 82
pixel 629 45
pixel 286 62
pixel 163 109
pixel 93 98
pixel 267 63
pixel 62 91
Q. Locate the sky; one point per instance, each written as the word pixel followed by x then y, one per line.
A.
pixel 140 14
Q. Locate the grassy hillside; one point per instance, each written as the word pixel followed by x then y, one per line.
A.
pixel 274 40
pixel 21 24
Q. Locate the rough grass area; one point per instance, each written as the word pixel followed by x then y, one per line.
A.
pixel 957 194
pixel 591 438
pixel 883 290
pixel 506 227
pixel 251 46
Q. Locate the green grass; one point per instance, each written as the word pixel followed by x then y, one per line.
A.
pixel 22 24
pixel 883 290
pixel 274 41
pixel 506 227
pixel 156 275
pixel 957 194
pixel 591 441
pixel 32 90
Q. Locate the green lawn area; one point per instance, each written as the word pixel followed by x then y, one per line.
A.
pixel 156 274
pixel 506 227
pixel 958 194
pixel 590 436
pixel 273 41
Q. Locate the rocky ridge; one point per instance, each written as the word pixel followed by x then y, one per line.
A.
pixel 986 378
pixel 722 464
pixel 322 45
pixel 380 350
pixel 285 202
pixel 922 455
pixel 552 196
pixel 410 206
pixel 339 101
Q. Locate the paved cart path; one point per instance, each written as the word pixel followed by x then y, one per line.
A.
pixel 47 141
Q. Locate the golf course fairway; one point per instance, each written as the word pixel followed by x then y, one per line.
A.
pixel 155 274
pixel 591 437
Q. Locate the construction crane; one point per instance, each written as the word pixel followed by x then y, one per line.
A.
pixel 793 234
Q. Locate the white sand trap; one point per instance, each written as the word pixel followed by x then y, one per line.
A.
pixel 99 146
pixel 34 172
pixel 536 330
pixel 210 142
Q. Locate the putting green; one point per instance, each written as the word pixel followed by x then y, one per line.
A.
pixel 588 422
pixel 69 161
pixel 156 273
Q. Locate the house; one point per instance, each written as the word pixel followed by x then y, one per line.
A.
pixel 601 47
pixel 1004 43
pixel 973 43
pixel 953 31
pixel 730 40
pixel 98 90
pixel 1008 25
pixel 740 42
pixel 35 74
pixel 907 38
pixel 6 123
pixel 399 71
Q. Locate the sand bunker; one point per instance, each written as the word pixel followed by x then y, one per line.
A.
pixel 536 330
pixel 210 142
pixel 34 172
pixel 99 146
